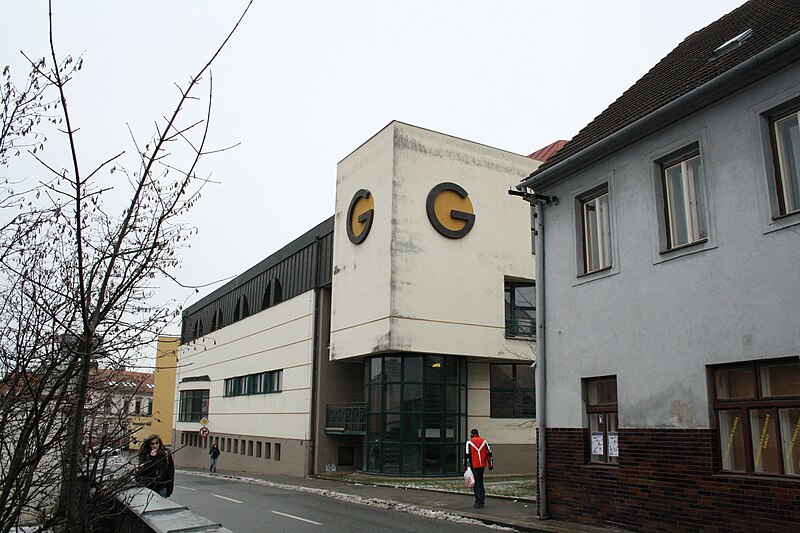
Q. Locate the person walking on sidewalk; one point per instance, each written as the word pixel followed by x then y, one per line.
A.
pixel 214 453
pixel 477 456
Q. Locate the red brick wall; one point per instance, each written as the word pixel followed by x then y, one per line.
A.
pixel 667 480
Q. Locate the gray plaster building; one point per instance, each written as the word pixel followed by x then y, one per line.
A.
pixel 671 291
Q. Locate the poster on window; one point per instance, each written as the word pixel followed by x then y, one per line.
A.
pixel 597 443
pixel 613 451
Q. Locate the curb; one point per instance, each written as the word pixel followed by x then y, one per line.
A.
pixel 428 489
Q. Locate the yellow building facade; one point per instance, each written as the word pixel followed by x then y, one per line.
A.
pixel 164 392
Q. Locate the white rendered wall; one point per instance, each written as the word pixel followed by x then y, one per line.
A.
pixel 278 338
pixel 657 324
pixel 408 288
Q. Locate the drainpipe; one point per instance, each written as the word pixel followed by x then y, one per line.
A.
pixel 316 352
pixel 538 203
pixel 541 382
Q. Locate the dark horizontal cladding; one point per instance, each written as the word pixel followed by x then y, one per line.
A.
pixel 302 265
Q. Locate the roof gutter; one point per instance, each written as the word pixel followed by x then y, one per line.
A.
pixel 749 71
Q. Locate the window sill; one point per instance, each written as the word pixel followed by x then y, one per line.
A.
pixel 602 466
pixel 596 274
pixel 733 476
pixel 780 222
pixel 685 249
pixel 598 271
pixel 685 246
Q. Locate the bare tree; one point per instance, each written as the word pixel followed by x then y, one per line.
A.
pixel 77 283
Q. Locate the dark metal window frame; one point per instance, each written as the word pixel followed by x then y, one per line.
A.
pixel 517 404
pixel 187 406
pixel 744 406
pixel 268 382
pixel 512 320
pixel 419 448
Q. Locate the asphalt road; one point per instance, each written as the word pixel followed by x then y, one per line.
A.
pixel 245 507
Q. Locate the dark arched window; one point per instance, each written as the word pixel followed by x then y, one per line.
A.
pixel 242 309
pixel 198 328
pixel 273 294
pixel 216 320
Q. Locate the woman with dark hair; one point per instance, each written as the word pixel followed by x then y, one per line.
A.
pixel 156 470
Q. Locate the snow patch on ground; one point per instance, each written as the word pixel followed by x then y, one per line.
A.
pixel 352 498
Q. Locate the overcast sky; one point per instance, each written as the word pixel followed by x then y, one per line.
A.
pixel 304 83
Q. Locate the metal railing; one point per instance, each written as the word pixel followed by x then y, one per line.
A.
pixel 346 418
pixel 521 327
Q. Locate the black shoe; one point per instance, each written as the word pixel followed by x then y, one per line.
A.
pixel 476 505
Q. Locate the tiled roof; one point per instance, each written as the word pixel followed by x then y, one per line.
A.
pixel 124 379
pixel 690 65
pixel 543 154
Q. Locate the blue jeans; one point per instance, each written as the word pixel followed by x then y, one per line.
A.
pixel 213 464
pixel 162 492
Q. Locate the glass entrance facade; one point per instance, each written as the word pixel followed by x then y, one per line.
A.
pixel 416 414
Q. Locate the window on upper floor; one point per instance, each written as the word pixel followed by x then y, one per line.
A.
pixel 193 405
pixel 513 391
pixel 520 303
pixel 261 383
pixel 683 199
pixel 273 294
pixel 785 137
pixel 197 331
pixel 757 406
pixel 596 230
pixel 216 320
pixel 601 410
pixel 242 309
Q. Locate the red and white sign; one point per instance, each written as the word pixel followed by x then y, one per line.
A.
pixel 203 432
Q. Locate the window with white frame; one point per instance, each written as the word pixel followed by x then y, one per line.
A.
pixel 596 230
pixel 682 191
pixel 785 137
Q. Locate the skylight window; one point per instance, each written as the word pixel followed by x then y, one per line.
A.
pixel 732 44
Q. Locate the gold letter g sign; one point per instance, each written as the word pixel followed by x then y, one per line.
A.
pixel 450 210
pixel 359 216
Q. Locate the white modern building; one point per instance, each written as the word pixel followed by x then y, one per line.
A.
pixel 379 338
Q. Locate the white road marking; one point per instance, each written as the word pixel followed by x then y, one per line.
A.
pixel 182 487
pixel 225 498
pixel 298 518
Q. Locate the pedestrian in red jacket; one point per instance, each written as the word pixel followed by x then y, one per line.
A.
pixel 477 456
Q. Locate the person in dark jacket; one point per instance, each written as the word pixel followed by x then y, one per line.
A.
pixel 156 470
pixel 478 455
pixel 214 453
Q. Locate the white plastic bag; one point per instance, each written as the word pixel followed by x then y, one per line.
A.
pixel 469 478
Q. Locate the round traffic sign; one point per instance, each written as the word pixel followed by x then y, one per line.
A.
pixel 203 432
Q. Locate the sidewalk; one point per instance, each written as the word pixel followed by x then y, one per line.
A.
pixel 517 514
